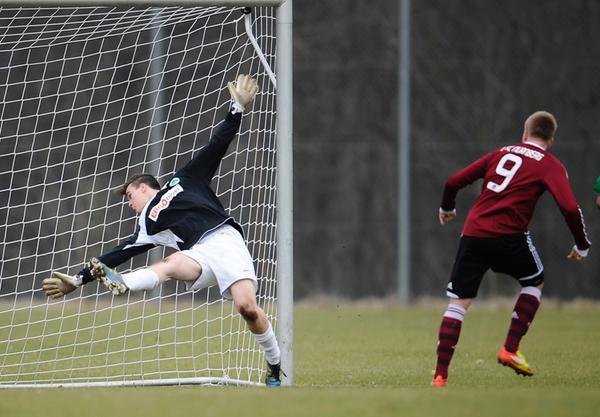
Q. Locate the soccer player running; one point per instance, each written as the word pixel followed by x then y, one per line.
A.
pixel 185 214
pixel 495 235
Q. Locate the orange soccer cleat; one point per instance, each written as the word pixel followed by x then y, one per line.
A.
pixel 439 381
pixel 516 361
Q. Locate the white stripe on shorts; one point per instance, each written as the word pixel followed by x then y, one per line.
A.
pixel 536 258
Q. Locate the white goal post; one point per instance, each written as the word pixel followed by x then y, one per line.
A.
pixel 92 92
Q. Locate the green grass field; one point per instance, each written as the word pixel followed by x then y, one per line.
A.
pixel 375 361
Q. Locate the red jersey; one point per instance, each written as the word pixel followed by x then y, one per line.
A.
pixel 514 178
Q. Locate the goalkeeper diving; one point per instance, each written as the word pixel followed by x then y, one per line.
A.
pixel 185 214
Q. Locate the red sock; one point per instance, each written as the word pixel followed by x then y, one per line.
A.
pixel 448 338
pixel 522 316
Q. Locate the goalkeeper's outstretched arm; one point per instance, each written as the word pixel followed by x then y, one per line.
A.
pixel 207 160
pixel 60 284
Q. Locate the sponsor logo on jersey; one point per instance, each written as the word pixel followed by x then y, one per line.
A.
pixel 174 182
pixel 164 202
pixel 522 150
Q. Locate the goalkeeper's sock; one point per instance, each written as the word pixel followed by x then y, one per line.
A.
pixel 268 343
pixel 448 338
pixel 141 280
pixel 525 308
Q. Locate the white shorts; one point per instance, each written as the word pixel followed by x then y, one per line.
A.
pixel 224 258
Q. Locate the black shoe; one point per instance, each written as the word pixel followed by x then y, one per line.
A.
pixel 273 378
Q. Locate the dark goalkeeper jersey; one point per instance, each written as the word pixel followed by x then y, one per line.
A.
pixel 186 208
pixel 514 178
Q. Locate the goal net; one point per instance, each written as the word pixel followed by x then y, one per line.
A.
pixel 89 97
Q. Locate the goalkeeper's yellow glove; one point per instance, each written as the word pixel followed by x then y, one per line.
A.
pixel 243 90
pixel 59 284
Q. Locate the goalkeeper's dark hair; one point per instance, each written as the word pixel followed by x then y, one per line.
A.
pixel 136 180
pixel 541 124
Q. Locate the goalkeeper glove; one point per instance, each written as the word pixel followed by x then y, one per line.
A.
pixel 59 284
pixel 242 91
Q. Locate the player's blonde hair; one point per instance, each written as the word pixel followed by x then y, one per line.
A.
pixel 541 124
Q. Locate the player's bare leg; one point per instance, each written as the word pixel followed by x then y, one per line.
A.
pixel 177 266
pixel 243 294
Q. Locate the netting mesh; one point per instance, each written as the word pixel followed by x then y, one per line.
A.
pixel 89 97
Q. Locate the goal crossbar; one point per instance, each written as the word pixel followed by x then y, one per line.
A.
pixel 140 3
